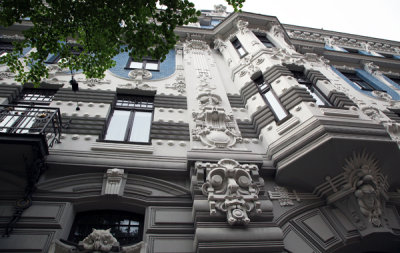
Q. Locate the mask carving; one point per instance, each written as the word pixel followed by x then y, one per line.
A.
pixel 99 240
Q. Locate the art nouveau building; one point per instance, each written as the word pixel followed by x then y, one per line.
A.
pixel 252 136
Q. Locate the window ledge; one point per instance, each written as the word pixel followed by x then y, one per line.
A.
pixel 122 147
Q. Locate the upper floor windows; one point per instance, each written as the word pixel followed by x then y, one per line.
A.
pixel 361 83
pixel 271 99
pixel 263 38
pixel 314 92
pixel 126 227
pixel 146 63
pixel 239 48
pixel 131 119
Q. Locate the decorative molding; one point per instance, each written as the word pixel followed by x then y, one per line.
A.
pixel 6 74
pixel 114 182
pixel 242 26
pixel 233 189
pixel 93 82
pixel 179 85
pixel 214 128
pixel 140 74
pixel 285 197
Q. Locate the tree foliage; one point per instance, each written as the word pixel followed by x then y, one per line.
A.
pixel 99 30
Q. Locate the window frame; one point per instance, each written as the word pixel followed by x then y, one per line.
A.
pixel 131 118
pixel 238 45
pixel 31 92
pixel 104 214
pixel 360 82
pixel 145 61
pixel 311 88
pixel 263 88
pixel 264 40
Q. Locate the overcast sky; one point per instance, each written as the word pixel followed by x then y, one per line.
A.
pixel 378 19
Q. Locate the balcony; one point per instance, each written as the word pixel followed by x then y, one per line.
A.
pixel 26 133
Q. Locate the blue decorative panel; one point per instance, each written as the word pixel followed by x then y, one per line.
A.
pixel 391 82
pixel 329 48
pixel 167 67
pixel 364 52
pixel 396 57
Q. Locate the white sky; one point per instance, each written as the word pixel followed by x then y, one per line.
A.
pixel 378 19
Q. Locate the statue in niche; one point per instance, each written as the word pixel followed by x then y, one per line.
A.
pixel 369 185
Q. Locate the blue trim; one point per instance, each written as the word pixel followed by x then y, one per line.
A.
pixel 329 48
pixel 396 57
pixel 377 84
pixel 364 52
pixel 391 82
pixel 349 81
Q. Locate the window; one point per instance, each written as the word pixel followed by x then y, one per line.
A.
pixel 239 48
pixel 396 80
pixel 126 227
pixel 272 101
pixel 314 92
pixel 361 83
pixel 146 63
pixel 36 96
pixel 263 38
pixel 56 58
pixel 5 48
pixel 131 119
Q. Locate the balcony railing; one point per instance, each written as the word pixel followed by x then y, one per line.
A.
pixel 31 120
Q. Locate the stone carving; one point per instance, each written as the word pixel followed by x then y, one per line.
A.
pixel 179 85
pixel 219 8
pixel 242 26
pixel 373 113
pixel 99 241
pixel 138 86
pixel 6 74
pixel 214 128
pixel 92 82
pixel 329 41
pixel 231 189
pixel 279 35
pixel 219 44
pixel 282 194
pixel 393 129
pixel 140 74
pixel 365 178
pixel 113 181
pixel 371 68
pixel 381 95
pixel 196 46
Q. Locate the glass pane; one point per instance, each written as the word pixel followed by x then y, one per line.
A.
pixel 136 65
pixel 316 97
pixel 275 105
pixel 241 51
pixel 141 127
pixel 152 66
pixel 117 127
pixel 3 54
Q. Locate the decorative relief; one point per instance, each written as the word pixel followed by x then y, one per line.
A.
pixel 214 128
pixel 6 74
pixel 371 68
pixel 92 82
pixel 140 74
pixel 113 182
pixel 196 46
pixel 219 44
pixel 242 26
pixel 179 85
pixel 232 188
pixel 99 241
pixel 370 186
pixel 285 197
pixel 381 95
pixel 219 8
pixel 373 113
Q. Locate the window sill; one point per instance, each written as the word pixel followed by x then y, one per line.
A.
pixel 117 146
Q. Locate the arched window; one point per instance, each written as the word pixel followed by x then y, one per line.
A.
pixel 126 227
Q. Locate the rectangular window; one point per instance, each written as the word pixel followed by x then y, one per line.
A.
pixel 314 92
pixel 358 81
pixel 263 38
pixel 146 63
pixel 36 96
pixel 239 48
pixel 131 119
pixel 271 99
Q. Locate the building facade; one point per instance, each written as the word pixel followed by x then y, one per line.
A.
pixel 252 136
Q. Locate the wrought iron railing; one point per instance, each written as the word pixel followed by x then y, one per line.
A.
pixel 33 120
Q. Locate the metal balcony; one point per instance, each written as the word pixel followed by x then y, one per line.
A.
pixel 30 124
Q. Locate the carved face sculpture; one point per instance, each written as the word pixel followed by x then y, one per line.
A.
pixel 367 195
pixel 100 240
